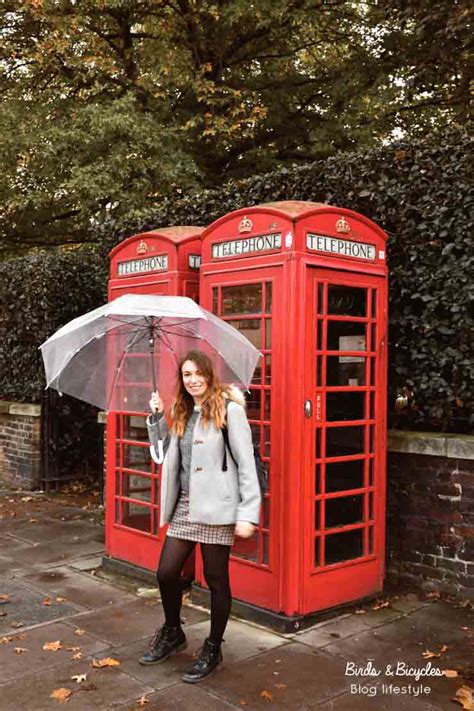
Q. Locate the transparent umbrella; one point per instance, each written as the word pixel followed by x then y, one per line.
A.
pixel 113 356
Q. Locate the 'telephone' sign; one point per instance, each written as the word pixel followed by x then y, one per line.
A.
pixel 140 266
pixel 232 248
pixel 341 247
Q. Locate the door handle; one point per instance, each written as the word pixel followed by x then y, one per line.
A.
pixel 308 408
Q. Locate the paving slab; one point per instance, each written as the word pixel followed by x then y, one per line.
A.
pixel 26 606
pixel 241 642
pixel 119 624
pixel 183 697
pixel 54 530
pixel 331 631
pixel 57 552
pixel 375 618
pixel 379 702
pixel 409 603
pixel 103 689
pixel 76 587
pixel 35 658
pixel 291 677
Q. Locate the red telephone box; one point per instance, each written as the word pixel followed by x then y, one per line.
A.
pixel 164 261
pixel 307 284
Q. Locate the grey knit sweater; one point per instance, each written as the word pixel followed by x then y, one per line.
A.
pixel 185 447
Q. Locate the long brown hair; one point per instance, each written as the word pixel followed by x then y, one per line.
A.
pixel 212 407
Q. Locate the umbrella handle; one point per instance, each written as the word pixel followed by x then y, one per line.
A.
pixel 157 457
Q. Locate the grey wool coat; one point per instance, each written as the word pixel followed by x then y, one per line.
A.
pixel 215 496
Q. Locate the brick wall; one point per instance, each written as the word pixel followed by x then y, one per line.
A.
pixel 20 445
pixel 430 512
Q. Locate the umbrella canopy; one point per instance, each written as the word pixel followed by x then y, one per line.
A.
pixel 113 356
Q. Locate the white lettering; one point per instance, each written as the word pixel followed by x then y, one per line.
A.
pixel 138 266
pixel 332 245
pixel 261 243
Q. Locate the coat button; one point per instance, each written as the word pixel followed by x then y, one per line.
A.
pixel 198 441
pixel 198 469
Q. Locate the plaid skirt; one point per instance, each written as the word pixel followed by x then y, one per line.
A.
pixel 181 527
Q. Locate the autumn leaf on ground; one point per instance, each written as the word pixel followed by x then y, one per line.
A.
pixel 77 655
pixel 243 703
pixel 4 597
pixel 61 695
pixel 79 677
pixel 267 695
pixel 52 646
pixel 431 655
pixel 79 632
pixel 143 701
pixel 360 612
pixel 5 640
pixel 16 625
pixel 20 650
pixel 435 594
pixel 26 498
pixel 464 696
pixel 281 686
pixel 46 601
pixel 450 673
pixel 107 662
pixel 73 649
pixel 380 605
pixel 61 599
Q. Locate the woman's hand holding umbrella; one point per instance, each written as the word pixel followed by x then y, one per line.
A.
pixel 156 403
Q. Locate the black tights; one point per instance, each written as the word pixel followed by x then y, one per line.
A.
pixel 216 572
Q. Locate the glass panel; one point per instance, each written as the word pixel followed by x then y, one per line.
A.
pixel 373 337
pixel 319 370
pixel 374 303
pixel 344 475
pixel 347 300
pixel 137 487
pixel 117 511
pixel 343 441
pixel 371 539
pixel 257 374
pixel 318 452
pixel 344 373
pixel 268 297
pixel 371 371
pixel 344 510
pixel 372 405
pixel 319 336
pixel 320 298
pixel 266 549
pixel 317 552
pixel 266 449
pixel 134 427
pixel 346 336
pixel 244 299
pixel 156 522
pixel 136 369
pixel 345 406
pixel 251 328
pixel 135 457
pixel 253 404
pixel 215 302
pixel 255 429
pixel 343 546
pixel 136 516
pixel 371 506
pixel 267 405
pixel 371 439
pixel 246 548
pixel 268 333
pixel 268 370
pixel 266 512
pixel 317 515
pixel 317 478
pixel 371 472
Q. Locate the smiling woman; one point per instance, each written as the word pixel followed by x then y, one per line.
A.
pixel 202 502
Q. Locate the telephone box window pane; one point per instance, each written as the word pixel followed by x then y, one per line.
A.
pixel 251 328
pixel 136 369
pixel 266 442
pixel 343 546
pixel 344 511
pixel 347 336
pixel 319 370
pixel 371 439
pixel 257 373
pixel 246 548
pixel 345 373
pixel 135 457
pixel 344 475
pixel 317 515
pixel 255 429
pixel 244 299
pixel 253 404
pixel 347 300
pixel 373 337
pixel 319 336
pixel 371 472
pixel 374 303
pixel 268 333
pixel 371 539
pixel 345 406
pixel 268 370
pixel 215 300
pixel 268 297
pixel 317 552
pixel 136 516
pixel 320 297
pixel 344 441
pixel 266 512
pixel 266 549
pixel 318 450
pixel 371 506
pixel 136 487
pixel 268 405
pixel 134 427
pixel 371 371
pixel 372 405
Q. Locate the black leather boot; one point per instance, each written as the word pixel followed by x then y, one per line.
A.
pixel 210 656
pixel 167 641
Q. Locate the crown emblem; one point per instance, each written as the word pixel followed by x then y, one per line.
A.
pixel 245 225
pixel 142 247
pixel 342 225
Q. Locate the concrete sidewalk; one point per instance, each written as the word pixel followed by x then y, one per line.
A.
pixel 52 590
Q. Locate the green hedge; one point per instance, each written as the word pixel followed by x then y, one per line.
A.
pixel 420 194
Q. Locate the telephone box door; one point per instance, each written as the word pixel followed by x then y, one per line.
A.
pixel 345 384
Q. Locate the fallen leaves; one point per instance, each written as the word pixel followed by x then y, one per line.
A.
pixel 79 632
pixel 107 662
pixel 427 654
pixel 267 695
pixel 79 677
pixel 464 696
pixel 450 673
pixel 4 598
pixel 20 650
pixel 143 701
pixel 52 646
pixel 61 599
pixel 379 605
pixel 61 695
pixel 46 601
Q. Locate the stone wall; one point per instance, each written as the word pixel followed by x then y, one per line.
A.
pixel 20 445
pixel 430 512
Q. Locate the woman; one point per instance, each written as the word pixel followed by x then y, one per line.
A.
pixel 202 503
